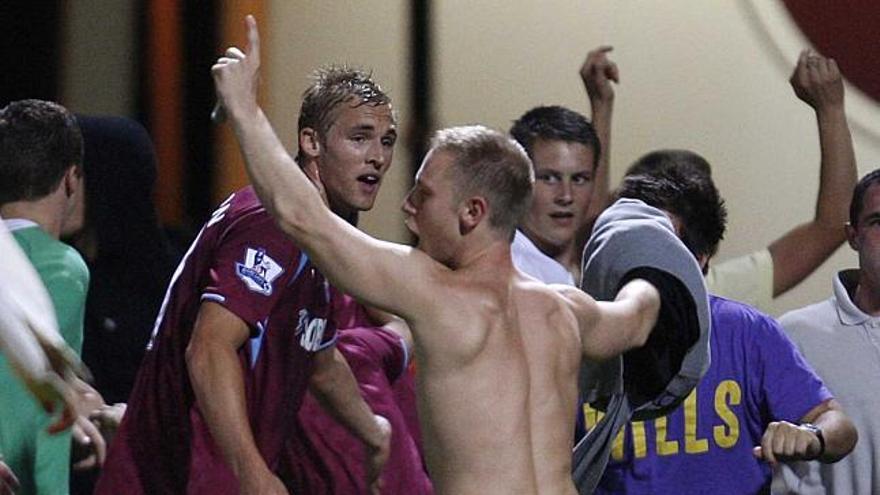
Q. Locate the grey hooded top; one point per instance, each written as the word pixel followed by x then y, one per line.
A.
pixel 633 240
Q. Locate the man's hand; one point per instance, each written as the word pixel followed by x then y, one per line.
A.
pixel 816 80
pixel 262 483
pixel 8 482
pixel 237 74
pixel 597 73
pixel 89 447
pixel 377 455
pixel 784 441
pixel 107 419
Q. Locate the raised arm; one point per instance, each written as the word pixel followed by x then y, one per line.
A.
pixel 817 81
pixel 597 74
pixel 356 263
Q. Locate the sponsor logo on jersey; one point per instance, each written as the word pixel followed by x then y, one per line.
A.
pixel 258 271
pixel 310 331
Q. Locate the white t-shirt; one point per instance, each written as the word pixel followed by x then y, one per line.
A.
pixel 529 259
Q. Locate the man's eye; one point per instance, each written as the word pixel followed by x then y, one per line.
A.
pixel 581 179
pixel 548 178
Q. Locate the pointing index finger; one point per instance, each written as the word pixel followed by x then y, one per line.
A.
pixel 253 36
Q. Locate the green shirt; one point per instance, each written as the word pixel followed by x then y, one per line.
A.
pixel 41 461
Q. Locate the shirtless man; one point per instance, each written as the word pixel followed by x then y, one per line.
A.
pixel 498 351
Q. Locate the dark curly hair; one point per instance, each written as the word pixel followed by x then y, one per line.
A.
pixel 692 198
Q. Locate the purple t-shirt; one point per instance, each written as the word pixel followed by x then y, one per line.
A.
pixel 324 457
pixel 705 446
pixel 242 261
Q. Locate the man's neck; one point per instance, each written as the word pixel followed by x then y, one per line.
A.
pixel 40 212
pixel 867 295
pixel 347 214
pixel 567 256
pixel 570 258
pixel 493 257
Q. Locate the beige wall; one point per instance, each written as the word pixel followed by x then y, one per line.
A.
pixel 98 52
pixel 371 35
pixel 698 75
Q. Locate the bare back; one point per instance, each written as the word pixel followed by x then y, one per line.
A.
pixel 498 369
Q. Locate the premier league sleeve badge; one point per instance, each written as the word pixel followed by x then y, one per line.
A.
pixel 258 271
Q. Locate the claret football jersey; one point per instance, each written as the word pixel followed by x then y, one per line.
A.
pixel 243 262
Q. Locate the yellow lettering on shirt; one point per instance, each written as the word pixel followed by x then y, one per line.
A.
pixel 727 394
pixel 617 447
pixel 591 416
pixel 664 446
pixel 640 441
pixel 692 444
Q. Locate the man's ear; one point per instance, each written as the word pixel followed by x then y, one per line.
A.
pixel 72 180
pixel 852 237
pixel 703 261
pixel 309 144
pixel 471 212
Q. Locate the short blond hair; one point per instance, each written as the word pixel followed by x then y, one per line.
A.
pixel 490 164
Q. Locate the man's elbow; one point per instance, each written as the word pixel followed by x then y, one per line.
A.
pixel 289 217
pixel 198 358
pixel 649 313
pixel 323 379
pixel 844 441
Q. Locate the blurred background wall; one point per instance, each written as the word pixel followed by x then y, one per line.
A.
pixel 708 76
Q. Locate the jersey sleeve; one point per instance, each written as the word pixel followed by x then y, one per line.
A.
pixel 67 281
pixel 790 385
pixel 382 348
pixel 396 359
pixel 251 266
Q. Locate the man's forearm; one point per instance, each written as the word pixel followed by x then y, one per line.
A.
pixel 840 435
pixel 333 384
pixel 283 188
pixel 838 172
pixel 602 113
pixel 644 300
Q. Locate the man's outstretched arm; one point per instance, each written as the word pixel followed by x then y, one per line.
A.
pixel 354 262
pixel 611 328
pixel 817 81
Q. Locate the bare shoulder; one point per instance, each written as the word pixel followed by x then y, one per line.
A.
pixel 562 300
pixel 577 301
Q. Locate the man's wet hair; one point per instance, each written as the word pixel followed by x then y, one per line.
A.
pixel 492 165
pixel 334 85
pixel 39 141
pixel 558 124
pixel 693 198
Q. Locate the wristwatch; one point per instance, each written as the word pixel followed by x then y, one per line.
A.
pixel 815 430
